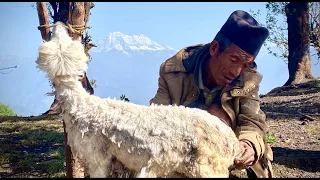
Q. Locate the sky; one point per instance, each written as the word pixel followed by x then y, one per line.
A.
pixel 176 24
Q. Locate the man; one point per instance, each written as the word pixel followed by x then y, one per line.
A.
pixel 221 77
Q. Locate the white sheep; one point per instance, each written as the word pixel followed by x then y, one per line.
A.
pixel 151 141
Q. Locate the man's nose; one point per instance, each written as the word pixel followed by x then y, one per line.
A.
pixel 235 71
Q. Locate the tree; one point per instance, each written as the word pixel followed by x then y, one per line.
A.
pixel 75 14
pixel 299 62
pixel 294 37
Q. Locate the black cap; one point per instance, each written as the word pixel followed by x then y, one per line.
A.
pixel 244 31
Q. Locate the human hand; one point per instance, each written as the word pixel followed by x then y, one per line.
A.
pixel 247 157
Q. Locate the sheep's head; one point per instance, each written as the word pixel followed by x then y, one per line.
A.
pixel 62 58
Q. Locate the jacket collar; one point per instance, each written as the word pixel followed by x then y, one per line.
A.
pixel 184 61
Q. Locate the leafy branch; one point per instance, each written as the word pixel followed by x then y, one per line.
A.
pixel 278 28
pixel 124 98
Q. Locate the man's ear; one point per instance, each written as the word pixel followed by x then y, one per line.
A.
pixel 214 48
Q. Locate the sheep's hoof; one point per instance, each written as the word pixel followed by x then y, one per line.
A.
pixel 142 173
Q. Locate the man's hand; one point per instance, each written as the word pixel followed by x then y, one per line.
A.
pixel 247 157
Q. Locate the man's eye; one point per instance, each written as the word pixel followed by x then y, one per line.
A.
pixel 233 60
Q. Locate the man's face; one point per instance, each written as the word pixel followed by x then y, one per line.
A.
pixel 229 64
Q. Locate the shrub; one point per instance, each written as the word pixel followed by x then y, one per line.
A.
pixel 6 110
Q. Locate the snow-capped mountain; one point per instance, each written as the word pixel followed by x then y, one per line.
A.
pixel 128 44
pixel 123 64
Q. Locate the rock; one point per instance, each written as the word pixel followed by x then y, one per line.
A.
pixel 287 140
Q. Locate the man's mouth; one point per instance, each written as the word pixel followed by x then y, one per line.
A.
pixel 228 79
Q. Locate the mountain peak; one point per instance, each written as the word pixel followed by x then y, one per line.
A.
pixel 126 43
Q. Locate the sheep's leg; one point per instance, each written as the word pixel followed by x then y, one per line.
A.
pixel 102 169
pixel 208 164
pixel 206 171
pixel 144 173
pixel 207 167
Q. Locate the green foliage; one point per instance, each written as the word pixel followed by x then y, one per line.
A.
pixel 6 111
pixel 314 10
pixel 271 139
pixel 93 83
pixel 124 98
pixel 278 27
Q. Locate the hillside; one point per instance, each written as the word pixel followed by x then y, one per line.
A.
pixel 32 146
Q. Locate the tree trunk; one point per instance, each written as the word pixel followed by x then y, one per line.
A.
pixel 43 20
pixel 299 63
pixel 76 14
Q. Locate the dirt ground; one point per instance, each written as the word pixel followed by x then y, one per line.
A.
pixel 293 119
pixel 33 146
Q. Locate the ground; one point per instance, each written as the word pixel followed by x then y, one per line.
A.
pixel 33 146
pixel 294 125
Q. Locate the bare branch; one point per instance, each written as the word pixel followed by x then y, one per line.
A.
pixel 8 68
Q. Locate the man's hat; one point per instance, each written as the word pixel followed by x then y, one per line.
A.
pixel 244 31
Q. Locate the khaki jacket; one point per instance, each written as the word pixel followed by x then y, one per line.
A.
pixel 240 100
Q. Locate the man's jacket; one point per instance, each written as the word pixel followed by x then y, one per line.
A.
pixel 240 100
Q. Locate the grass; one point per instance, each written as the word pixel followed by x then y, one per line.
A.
pixel 31 147
pixel 271 138
pixel 313 130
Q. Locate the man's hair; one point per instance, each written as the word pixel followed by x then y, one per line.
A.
pixel 223 41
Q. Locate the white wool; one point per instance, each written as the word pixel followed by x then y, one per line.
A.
pixel 61 56
pixel 152 141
